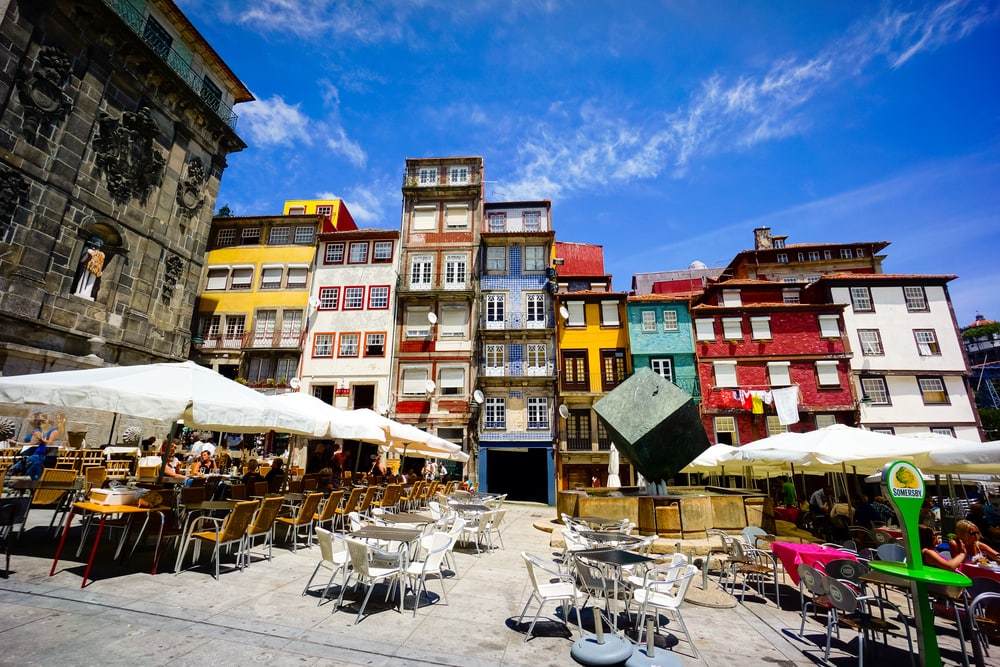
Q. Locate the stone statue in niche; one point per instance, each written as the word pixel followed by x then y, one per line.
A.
pixel 127 155
pixel 189 191
pixel 171 274
pixel 88 272
pixel 41 90
pixel 13 192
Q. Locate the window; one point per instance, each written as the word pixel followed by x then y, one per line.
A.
pixel 814 255
pixel 235 326
pixel 801 257
pixel 884 430
pixel 417 325
pixel 760 327
pixel 845 253
pixel 774 425
pixel 732 328
pixel 725 373
pixel 824 420
pixel 324 210
pixel 731 298
pixel 577 314
pixel 278 235
pixel 875 389
pixel 211 93
pixel 779 243
pixel 859 252
pixel 943 430
pixel 297 277
pixel 829 326
pixel 578 430
pixel 534 258
pixel 670 320
pixel 575 373
pixel 536 359
pixel 287 368
pixel 827 373
pixel 861 300
pixel 916 298
pixel 496 258
pixel 358 253
pixel 497 221
pixel 304 234
pixel 613 369
pixel 291 328
pixel 323 345
pixel 378 297
pixel 790 279
pixel 242 278
pixel 791 296
pixel 348 345
pixel 609 314
pixel 534 311
pixel 777 373
pixel 334 253
pixel 259 369
pixel 414 382
pixel 725 431
pixel 375 345
pixel 270 277
pixel 210 326
pixel 329 298
pixel 704 328
pixel 458 175
pixel 354 298
pixel 455 271
pixel 225 237
pixel 456 215
pixel 649 321
pixel 157 37
pixel 424 218
pixel 663 367
pixel 421 269
pixel 538 414
pixel 927 344
pixel 454 321
pixel 217 279
pixel 428 176
pixel 932 391
pixel 782 258
pixel 250 236
pixel 496 311
pixel 296 210
pixel 871 342
pixel 495 416
pixel 383 251
pixel 452 381
pixel 494 360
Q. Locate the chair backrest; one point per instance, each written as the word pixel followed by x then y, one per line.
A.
pixel 44 496
pixel 814 580
pixel 276 484
pixel 352 501
pixel 94 476
pixel 192 494
pixel 295 486
pixel 986 607
pixel 330 508
pixel 435 546
pixel 358 551
pixel 264 519
pixel 236 523
pixel 547 570
pixel 260 488
pixel 355 520
pixel 366 502
pixel 751 533
pixel 846 568
pixel 310 483
pixel 327 539
pixel 882 537
pixel 841 596
pixel 308 509
pixel 891 552
pixel 238 492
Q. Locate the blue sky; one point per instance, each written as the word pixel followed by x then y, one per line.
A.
pixel 663 130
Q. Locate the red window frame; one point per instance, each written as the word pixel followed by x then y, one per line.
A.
pixel 343 253
pixel 343 300
pixel 371 289
pixel 320 294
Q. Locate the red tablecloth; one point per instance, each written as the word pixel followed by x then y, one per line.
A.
pixel 792 555
pixel 787 514
pixel 973 571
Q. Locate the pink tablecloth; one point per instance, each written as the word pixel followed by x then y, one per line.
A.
pixel 973 571
pixel 792 555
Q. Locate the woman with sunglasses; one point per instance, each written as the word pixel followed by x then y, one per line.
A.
pixel 967 543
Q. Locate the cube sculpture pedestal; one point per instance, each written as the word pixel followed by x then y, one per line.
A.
pixel 654 423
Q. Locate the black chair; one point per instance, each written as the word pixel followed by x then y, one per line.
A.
pixel 12 513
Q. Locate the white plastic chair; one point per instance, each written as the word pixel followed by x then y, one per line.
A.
pixel 435 548
pixel 334 556
pixel 548 584
pixel 665 594
pixel 370 566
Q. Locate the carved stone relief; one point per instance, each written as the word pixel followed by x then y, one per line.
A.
pixel 41 90
pixel 13 193
pixel 190 197
pixel 127 155
pixel 173 268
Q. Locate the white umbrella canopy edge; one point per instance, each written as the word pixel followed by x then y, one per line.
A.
pixel 336 423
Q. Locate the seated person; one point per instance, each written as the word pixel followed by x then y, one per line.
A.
pixel 252 476
pixel 844 509
pixel 204 465
pixel 886 514
pixel 277 470
pixel 929 553
pixel 967 544
pixel 864 513
pixel 172 468
pixel 987 534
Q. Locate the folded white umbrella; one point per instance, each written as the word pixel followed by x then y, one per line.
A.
pixel 337 423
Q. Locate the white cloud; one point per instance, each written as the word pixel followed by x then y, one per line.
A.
pixel 273 122
pixel 374 205
pixel 340 144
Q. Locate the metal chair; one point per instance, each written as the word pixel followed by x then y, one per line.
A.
pixel 548 584
pixel 665 594
pixel 328 513
pixel 815 583
pixel 228 531
pixel 435 548
pixel 854 611
pixel 349 505
pixel 334 556
pixel 984 610
pixel 891 552
pixel 262 527
pixel 371 566
pixel 304 518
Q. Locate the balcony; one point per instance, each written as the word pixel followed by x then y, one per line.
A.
pixel 225 342
pixel 545 434
pixel 136 20
pixel 417 177
pixel 517 322
pixel 277 340
pixel 518 369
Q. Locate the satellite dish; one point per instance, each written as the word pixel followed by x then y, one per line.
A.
pixel 478 397
pixel 563 411
pixel 314 301
pixel 294 383
pixel 432 318
pixel 430 386
pixel 564 312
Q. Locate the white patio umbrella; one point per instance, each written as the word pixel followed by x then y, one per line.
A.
pixel 167 391
pixel 338 423
pixel 409 440
pixel 613 464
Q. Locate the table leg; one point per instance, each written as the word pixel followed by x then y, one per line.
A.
pixel 93 551
pixel 159 541
pixel 124 537
pixel 62 541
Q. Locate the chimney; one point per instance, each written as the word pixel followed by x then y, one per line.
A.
pixel 762 238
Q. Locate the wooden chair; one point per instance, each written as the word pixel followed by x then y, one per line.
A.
pixel 350 505
pixel 228 531
pixel 118 469
pixel 57 499
pixel 262 526
pixel 304 518
pixel 94 477
pixel 69 459
pixel 91 457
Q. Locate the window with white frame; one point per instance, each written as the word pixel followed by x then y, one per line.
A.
pixel 378 297
pixel 279 235
pixel 496 310
pixel 933 391
pixel 296 210
pixel 334 253
pixel 782 258
pixel 725 373
pixel 358 253
pixel 732 328
pixel 731 298
pixel 496 222
pixel 424 218
pixel 774 425
pixel 845 253
pixel 779 243
pixel 286 368
pixel 875 389
pixel 455 271
pixel 354 298
pixel 649 321
pixel 456 215
pixel 801 257
pixel 375 345
pixel 383 252
pixel 210 326
pixel 871 342
pixel 263 328
pixel 827 254
pixel 242 278
pixel 532 221
pixel 670 320
pixel 259 369
pixel 760 327
pixel 454 320
pixel 217 279
pixel 270 277
pixel 323 345
pixel 291 327
pixel 927 343
pixel 824 420
pixel 304 234
pixel 609 314
pixel 778 373
pixel 416 324
pixel 884 430
pixel 704 328
pixel 538 414
pixel 790 279
pixel 298 277
pixel 421 271
pixel 536 359
pixel 496 258
pixel 348 345
pixel 725 431
pixel 235 326
pixel 494 360
pixel 329 298
pixel 859 252
pixel 813 278
pixel 250 236
pixel 225 237
pixel 829 326
pixel 324 210
pixel 943 430
pixel 452 381
pixel 861 300
pixel 428 175
pixel 534 311
pixel 664 367
pixel 916 298
pixel 791 296
pixel 814 255
pixel 827 373
pixel 414 381
pixel 458 175
pixel 495 413
pixel 534 258
pixel 577 314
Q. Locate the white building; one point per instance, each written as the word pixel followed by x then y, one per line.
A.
pixel 909 367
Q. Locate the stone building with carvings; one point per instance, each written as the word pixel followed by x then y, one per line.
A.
pixel 115 123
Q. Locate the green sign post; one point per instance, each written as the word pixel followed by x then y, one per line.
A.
pixel 903 487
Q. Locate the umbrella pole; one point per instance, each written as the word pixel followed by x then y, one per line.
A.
pixel 111 434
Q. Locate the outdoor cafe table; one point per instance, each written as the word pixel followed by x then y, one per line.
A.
pixel 616 559
pixel 981 571
pixel 609 538
pixel 597 522
pixel 469 507
pixel 406 517
pixel 792 555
